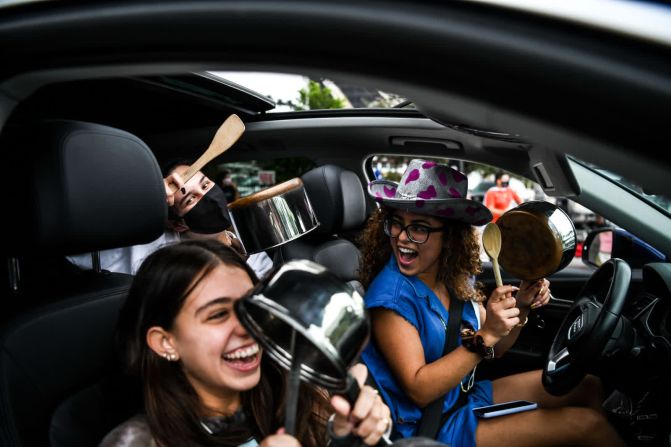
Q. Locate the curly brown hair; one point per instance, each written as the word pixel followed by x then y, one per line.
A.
pixel 460 256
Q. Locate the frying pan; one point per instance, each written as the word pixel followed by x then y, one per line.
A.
pixel 538 239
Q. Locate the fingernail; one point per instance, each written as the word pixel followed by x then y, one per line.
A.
pixel 535 305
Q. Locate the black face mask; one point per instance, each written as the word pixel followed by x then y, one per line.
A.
pixel 210 215
pixel 504 184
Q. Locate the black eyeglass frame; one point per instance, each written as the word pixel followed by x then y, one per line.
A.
pixel 387 230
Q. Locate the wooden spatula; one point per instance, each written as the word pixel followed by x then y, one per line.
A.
pixel 491 241
pixel 226 136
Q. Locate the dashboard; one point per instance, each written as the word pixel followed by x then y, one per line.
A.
pixel 652 306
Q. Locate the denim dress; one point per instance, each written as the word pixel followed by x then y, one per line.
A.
pixel 410 298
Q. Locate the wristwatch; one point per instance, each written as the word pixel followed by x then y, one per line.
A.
pixel 475 343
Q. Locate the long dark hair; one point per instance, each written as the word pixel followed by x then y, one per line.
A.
pixel 459 257
pixel 173 407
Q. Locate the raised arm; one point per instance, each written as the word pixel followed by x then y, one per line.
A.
pixel 400 344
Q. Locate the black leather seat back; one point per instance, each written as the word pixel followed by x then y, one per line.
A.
pixel 339 202
pixel 87 187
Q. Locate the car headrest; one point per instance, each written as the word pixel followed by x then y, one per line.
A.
pixel 80 187
pixel 337 197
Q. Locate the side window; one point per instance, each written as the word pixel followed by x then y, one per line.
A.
pixel 481 178
pixel 240 179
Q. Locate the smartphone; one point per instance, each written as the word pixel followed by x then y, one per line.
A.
pixel 514 406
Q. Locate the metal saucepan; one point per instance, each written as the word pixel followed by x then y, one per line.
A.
pixel 537 239
pixel 273 216
pixel 303 305
pixel 312 324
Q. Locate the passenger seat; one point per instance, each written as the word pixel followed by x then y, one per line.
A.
pixel 339 201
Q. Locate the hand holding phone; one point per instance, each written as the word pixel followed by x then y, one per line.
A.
pixel 514 406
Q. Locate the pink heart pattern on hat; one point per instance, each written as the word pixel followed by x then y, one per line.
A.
pixel 389 191
pixel 414 175
pixel 428 193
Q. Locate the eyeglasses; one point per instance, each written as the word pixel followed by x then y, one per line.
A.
pixel 417 233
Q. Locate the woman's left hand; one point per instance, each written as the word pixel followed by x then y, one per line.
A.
pixel 369 419
pixel 533 294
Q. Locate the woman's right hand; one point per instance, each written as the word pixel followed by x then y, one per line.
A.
pixel 502 315
pixel 368 419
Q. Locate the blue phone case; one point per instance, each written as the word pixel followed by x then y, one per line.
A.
pixel 504 408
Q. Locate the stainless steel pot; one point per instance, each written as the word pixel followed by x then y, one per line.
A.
pixel 537 239
pixel 313 325
pixel 273 216
pixel 306 311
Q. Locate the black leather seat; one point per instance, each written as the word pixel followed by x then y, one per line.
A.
pixel 85 187
pixel 339 202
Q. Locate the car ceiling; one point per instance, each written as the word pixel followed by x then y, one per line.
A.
pixel 565 88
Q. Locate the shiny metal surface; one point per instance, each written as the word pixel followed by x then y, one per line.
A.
pixel 263 222
pixel 325 317
pixel 538 239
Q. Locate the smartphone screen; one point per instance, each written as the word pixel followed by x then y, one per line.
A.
pixel 511 407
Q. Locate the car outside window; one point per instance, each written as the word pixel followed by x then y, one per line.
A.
pixel 481 178
pixel 248 177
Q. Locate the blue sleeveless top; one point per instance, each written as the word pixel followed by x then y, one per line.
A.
pixel 410 298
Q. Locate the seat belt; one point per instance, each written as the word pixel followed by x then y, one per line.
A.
pixel 431 416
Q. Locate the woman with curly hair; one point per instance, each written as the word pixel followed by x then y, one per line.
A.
pixel 420 255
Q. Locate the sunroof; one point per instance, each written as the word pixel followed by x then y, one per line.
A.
pixel 294 92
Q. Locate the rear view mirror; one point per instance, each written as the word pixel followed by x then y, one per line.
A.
pixel 606 243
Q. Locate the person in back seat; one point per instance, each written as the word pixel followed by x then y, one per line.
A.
pixel 196 209
pixel 420 256
pixel 205 379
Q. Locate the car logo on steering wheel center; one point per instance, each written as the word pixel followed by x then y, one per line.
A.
pixel 576 327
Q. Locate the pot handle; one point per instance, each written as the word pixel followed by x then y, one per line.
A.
pixel 352 389
pixel 351 393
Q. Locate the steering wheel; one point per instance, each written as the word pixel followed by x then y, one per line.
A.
pixel 588 325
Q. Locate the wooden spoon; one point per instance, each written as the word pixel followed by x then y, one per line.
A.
pixel 491 241
pixel 227 134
